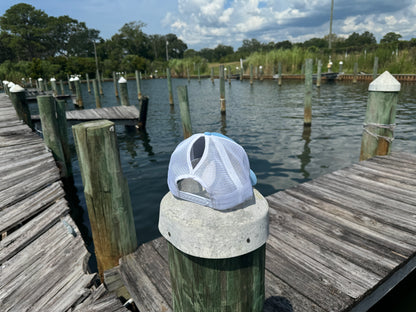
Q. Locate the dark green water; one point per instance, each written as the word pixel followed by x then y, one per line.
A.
pixel 265 119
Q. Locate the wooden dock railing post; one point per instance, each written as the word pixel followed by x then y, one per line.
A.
pixel 217 256
pixel 184 109
pixel 380 116
pixel 307 119
pixel 106 192
pixel 18 97
pixel 124 96
pixel 169 79
pixel 50 129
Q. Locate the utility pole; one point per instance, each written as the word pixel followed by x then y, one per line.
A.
pixel 330 26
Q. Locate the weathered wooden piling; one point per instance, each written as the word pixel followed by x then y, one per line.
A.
pixel 98 78
pixel 187 73
pixel 50 130
pixel 115 84
pixel 380 116
pixel 124 96
pixel 184 109
pixel 307 117
pixel 79 101
pixel 241 72
pixel 144 103
pixel 53 85
pixel 18 97
pixel 279 72
pixel 69 83
pixel 96 93
pixel 251 74
pixel 63 134
pixel 217 256
pixel 340 67
pixel 138 84
pixel 41 86
pixel 229 75
pixel 199 74
pixel 319 74
pixel 106 192
pixel 354 79
pixel 212 75
pixel 61 84
pixel 88 82
pixel 261 72
pixel 222 89
pixel 375 67
pixel 169 79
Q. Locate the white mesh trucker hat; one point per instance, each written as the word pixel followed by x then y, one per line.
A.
pixel 212 170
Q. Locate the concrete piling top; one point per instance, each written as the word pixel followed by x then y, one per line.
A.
pixel 122 80
pixel 16 89
pixel 385 83
pixel 214 234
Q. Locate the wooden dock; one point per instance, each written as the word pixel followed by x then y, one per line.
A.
pixel 126 115
pixel 43 258
pixel 337 243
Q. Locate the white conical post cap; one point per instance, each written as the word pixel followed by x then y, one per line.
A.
pixel 17 88
pixel 122 80
pixel 385 83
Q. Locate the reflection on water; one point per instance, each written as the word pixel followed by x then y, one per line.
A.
pixel 267 120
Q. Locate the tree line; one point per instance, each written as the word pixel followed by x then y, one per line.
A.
pixel 35 44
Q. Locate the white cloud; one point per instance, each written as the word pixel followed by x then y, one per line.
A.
pixel 202 23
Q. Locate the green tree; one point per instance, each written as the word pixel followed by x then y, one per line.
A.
pixel 390 37
pixel 28 30
pixel 133 40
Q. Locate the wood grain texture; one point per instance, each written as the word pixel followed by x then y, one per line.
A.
pixel 334 241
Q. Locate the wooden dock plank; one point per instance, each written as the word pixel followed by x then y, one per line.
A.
pixel 336 243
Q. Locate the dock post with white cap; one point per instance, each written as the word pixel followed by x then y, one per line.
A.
pixel 53 85
pixel 18 97
pixel 124 96
pixel 79 101
pixel 380 116
pixel 216 257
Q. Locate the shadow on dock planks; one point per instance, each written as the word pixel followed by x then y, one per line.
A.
pixel 43 259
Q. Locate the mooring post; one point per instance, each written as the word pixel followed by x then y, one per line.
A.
pixel 115 84
pixel 45 85
pixel 217 256
pixel 229 74
pixel 307 117
pixel 187 73
pixel 251 74
pixel 106 192
pixel 96 94
pixel 63 134
pixel 124 96
pixel 212 75
pixel 375 67
pixel 279 72
pixel 319 74
pixel 138 85
pixel 144 103
pixel 54 88
pixel 169 79
pixel 184 109
pixel 354 79
pixel 380 116
pixel 88 82
pixel 50 130
pixel 69 83
pixel 79 101
pixel 41 87
pixel 199 74
pixel 61 84
pixel 18 97
pixel 261 72
pixel 241 72
pixel 222 89
pixel 98 78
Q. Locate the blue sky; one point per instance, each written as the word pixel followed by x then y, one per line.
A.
pixel 207 23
